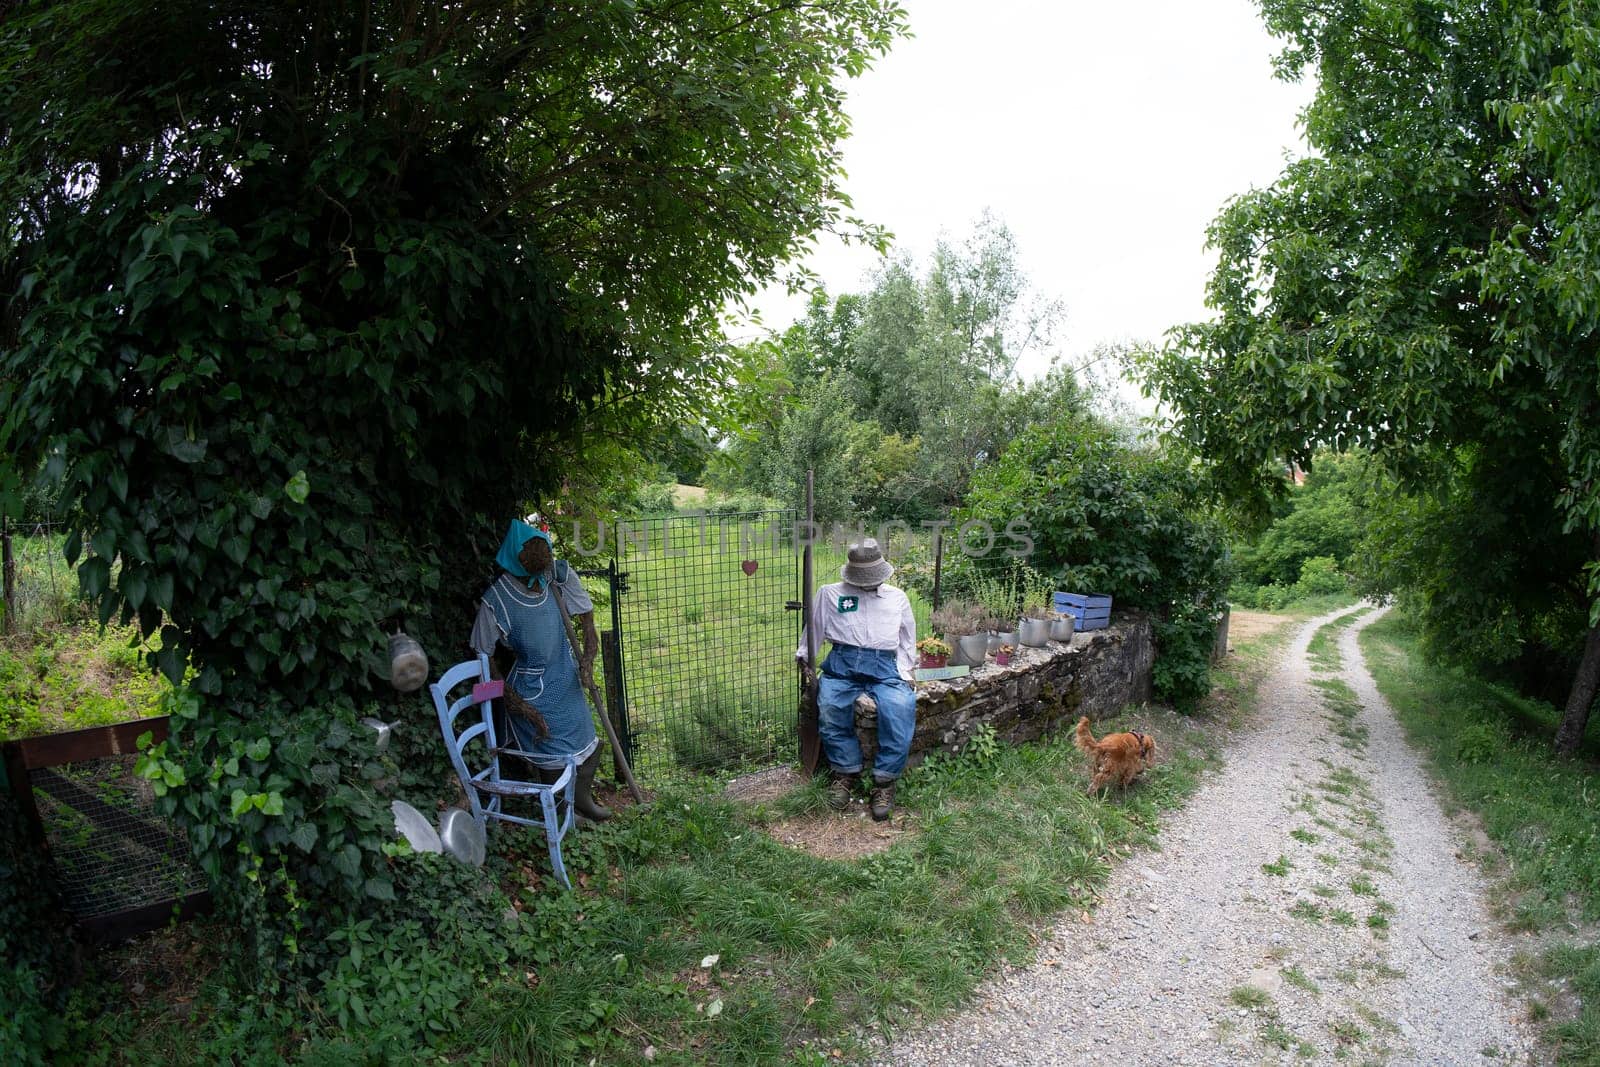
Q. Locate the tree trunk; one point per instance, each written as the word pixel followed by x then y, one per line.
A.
pixel 1584 685
pixel 1576 718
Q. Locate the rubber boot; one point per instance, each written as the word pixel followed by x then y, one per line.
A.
pixel 841 788
pixel 882 798
pixel 585 802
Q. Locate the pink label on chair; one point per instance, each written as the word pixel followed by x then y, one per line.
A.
pixel 488 691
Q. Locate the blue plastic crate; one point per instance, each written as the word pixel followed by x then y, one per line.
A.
pixel 1082 600
pixel 1090 611
pixel 1088 618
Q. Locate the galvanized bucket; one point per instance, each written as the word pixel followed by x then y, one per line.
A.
pixel 1062 629
pixel 1035 632
pixel 972 649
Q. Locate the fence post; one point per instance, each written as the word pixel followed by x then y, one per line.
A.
pixel 10 568
pixel 611 658
pixel 938 563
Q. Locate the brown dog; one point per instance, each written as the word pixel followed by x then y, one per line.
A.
pixel 1118 757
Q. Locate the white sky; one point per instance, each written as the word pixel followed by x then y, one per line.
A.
pixel 1105 135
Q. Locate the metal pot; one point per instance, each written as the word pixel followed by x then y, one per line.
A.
pixel 1062 629
pixel 1007 638
pixel 995 641
pixel 973 649
pixel 1035 632
pixel 408 664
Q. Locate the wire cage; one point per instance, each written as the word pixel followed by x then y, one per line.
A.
pixel 121 867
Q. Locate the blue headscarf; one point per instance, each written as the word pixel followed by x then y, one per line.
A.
pixel 518 534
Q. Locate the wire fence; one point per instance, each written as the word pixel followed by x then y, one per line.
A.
pixel 40 588
pixel 710 623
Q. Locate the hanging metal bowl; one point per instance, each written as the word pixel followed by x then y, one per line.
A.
pixel 410 824
pixel 463 836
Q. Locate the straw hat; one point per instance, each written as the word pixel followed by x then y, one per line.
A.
pixel 866 566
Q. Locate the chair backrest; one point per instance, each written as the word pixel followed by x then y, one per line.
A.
pixel 458 745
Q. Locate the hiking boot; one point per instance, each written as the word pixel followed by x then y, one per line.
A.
pixel 841 788
pixel 882 798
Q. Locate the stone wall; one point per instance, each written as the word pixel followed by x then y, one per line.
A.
pixel 1040 691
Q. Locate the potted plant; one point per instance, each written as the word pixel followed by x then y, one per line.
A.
pixel 934 652
pixel 960 621
pixel 1002 658
pixel 1035 627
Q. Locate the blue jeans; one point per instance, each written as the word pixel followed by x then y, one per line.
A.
pixel 848 672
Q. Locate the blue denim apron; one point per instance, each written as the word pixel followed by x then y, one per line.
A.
pixel 546 674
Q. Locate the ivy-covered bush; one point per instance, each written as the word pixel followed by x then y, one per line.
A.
pixel 1107 518
pixel 302 302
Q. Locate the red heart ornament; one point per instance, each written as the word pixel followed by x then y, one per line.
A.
pixel 749 566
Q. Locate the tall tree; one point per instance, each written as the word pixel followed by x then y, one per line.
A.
pixel 1419 282
pixel 304 300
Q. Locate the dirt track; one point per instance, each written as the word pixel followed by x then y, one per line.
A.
pixel 1308 906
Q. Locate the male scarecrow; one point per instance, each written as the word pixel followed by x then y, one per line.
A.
pixel 874 635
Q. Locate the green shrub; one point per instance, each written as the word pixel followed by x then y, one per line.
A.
pixel 1479 743
pixel 742 503
pixel 1106 518
pixel 1319 576
pixel 655 498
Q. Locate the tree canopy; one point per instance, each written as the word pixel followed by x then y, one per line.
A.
pixel 304 301
pixel 896 395
pixel 1423 281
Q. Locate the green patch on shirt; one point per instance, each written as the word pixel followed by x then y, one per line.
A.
pixel 848 604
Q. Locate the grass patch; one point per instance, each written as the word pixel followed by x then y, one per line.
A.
pixel 1305 837
pixel 1296 977
pixel 1323 651
pixel 1307 910
pixel 1491 750
pixel 1345 1033
pixel 71 677
pixel 1341 917
pixel 811 953
pixel 1248 996
pixel 1363 886
pixel 1278 869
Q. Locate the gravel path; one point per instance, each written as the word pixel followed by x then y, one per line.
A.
pixel 1308 906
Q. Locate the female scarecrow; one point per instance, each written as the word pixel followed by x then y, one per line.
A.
pixel 519 612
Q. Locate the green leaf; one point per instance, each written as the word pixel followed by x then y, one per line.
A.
pixel 304 836
pixel 94 576
pixel 259 749
pixel 347 861
pixel 236 549
pixel 298 487
pixel 163 587
pixel 240 803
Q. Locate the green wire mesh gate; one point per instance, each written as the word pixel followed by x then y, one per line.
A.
pixel 709 620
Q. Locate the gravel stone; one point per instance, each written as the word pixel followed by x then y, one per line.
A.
pixel 1149 980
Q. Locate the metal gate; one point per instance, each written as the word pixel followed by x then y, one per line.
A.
pixel 707 610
